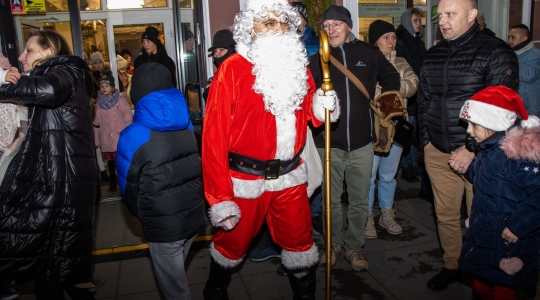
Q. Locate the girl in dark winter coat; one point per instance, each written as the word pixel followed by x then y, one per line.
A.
pixel 502 241
pixel 49 188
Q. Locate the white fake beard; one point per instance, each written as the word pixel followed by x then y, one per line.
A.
pixel 279 65
pixel 280 62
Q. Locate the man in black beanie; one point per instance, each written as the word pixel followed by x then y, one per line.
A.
pixel 159 174
pixel 154 51
pixel 411 47
pixel 223 46
pixel 352 136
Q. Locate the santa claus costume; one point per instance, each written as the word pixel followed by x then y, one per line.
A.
pixel 260 102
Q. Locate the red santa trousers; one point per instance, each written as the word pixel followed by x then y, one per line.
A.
pixel 288 217
pixel 488 292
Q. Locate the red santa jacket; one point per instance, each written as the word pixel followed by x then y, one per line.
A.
pixel 236 121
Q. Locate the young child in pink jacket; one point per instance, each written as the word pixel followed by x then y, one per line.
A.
pixel 112 115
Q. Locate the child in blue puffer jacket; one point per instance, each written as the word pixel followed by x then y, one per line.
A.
pixel 502 240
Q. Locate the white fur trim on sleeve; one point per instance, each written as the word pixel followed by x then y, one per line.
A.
pixel 3 74
pixel 223 210
pixel 319 110
pixel 298 260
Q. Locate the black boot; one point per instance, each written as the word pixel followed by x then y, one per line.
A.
pixel 104 176
pixel 217 283
pixel 445 277
pixel 112 171
pixel 303 282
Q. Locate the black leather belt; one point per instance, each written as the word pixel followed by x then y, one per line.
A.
pixel 270 169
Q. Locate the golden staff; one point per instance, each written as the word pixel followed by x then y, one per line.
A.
pixel 326 86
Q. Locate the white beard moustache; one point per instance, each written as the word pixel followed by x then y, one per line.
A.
pixel 280 62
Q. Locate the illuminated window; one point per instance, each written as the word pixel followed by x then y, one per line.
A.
pixel 122 4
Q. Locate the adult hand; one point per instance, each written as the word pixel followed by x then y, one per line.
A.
pixel 328 99
pixel 509 236
pixel 461 159
pixel 13 75
pixel 228 223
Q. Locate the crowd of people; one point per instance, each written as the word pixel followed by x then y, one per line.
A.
pixel 472 99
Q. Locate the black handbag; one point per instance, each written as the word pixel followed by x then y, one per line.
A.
pixel 404 133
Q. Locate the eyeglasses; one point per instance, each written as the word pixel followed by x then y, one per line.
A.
pixel 334 26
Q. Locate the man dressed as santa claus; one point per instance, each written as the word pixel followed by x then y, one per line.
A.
pixel 260 102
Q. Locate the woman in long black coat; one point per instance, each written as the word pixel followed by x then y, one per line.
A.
pixel 48 192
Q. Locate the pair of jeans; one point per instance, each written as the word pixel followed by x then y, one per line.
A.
pixel 387 165
pixel 315 204
pixel 354 167
pixel 410 156
pixel 168 261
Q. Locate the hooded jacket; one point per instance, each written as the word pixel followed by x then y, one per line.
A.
pixel 160 57
pixel 48 193
pixel 529 77
pixel 159 168
pixel 453 71
pixel 354 129
pixel 506 176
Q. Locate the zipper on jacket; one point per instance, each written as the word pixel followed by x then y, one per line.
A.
pixel 348 99
pixel 445 91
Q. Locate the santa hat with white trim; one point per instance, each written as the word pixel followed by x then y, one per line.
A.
pixel 496 108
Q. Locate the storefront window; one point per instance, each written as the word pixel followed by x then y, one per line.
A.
pixel 62 5
pixel 371 10
pixel 185 3
pixel 122 4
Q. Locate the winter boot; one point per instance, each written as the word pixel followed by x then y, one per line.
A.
pixel 104 176
pixel 113 187
pixel 336 252
pixel 217 283
pixel 303 282
pixel 388 221
pixel 371 232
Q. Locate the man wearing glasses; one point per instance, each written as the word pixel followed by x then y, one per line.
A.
pixel 255 128
pixel 352 136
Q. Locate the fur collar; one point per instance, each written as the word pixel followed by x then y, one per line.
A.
pixel 522 143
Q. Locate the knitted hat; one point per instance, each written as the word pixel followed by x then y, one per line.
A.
pixel 496 108
pixel 187 34
pixel 148 78
pixel 108 78
pixel 378 29
pixel 151 34
pixel 222 39
pixel 97 56
pixel 336 12
pixel 121 63
pixel 302 9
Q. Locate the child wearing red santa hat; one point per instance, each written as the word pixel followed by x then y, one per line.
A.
pixel 502 240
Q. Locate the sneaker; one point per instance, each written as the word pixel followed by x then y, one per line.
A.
pixel 441 281
pixel 357 260
pixel 371 231
pixel 281 271
pixel 263 254
pixel 336 252
pixel 388 221
pixel 408 175
pixel 317 224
